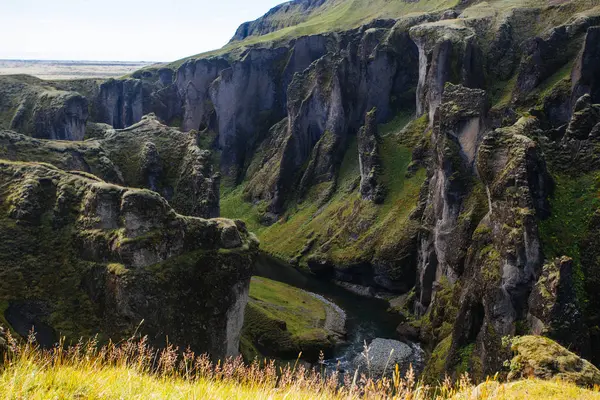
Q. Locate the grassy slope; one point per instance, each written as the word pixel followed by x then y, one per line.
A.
pixel 352 228
pixel 31 378
pixel 341 15
pixel 337 15
pixel 283 321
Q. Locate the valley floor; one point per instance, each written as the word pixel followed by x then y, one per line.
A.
pixel 49 69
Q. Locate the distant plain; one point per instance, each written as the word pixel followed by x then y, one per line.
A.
pixel 48 69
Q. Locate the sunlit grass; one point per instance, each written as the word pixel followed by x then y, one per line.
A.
pixel 132 370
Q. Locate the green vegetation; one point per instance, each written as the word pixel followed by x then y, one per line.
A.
pixel 346 229
pixel 333 16
pixel 573 204
pixel 282 321
pixel 132 370
pixel 540 357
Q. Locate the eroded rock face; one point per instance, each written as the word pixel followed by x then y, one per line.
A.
pixel 146 155
pixel 101 258
pixel 193 82
pixel 458 129
pixel 31 108
pixel 119 103
pixel 325 103
pixel 585 76
pixel 554 309
pixel 447 53
pixel 368 156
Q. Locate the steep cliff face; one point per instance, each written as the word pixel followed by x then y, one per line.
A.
pixel 119 103
pixel 29 106
pixel 80 256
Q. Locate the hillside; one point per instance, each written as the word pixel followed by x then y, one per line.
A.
pixel 439 156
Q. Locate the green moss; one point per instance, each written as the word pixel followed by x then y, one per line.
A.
pixel 540 357
pixel 283 321
pixel 573 204
pixel 465 356
pixel 436 366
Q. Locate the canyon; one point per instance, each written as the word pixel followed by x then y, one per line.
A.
pixel 442 154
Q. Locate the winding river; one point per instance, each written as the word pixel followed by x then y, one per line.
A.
pixel 367 318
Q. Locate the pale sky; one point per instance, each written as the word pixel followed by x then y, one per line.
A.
pixel 120 30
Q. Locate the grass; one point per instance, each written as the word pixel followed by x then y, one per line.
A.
pixel 574 202
pixel 347 229
pixel 131 370
pixel 301 312
pixel 334 16
pixel 282 321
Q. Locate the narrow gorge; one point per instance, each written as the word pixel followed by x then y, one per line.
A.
pixel 439 155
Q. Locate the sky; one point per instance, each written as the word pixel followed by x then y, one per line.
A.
pixel 120 30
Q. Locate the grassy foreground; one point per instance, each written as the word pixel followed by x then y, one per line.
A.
pixel 131 370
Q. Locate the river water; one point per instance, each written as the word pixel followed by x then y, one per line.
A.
pixel 367 318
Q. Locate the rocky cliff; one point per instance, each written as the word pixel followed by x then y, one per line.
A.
pixel 80 256
pixel 446 153
pixel 146 155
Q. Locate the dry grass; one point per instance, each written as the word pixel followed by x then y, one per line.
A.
pixel 132 370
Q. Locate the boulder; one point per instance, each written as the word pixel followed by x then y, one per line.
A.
pixel 382 357
pixel 542 358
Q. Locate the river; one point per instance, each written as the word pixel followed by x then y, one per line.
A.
pixel 367 318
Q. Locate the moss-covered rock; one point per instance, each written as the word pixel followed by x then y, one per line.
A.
pixel 542 358
pixel 285 322
pixel 146 155
pixel 30 106
pixel 80 257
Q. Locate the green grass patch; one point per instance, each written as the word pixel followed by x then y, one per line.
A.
pixel 574 202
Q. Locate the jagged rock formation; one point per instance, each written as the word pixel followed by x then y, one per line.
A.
pixel 495 178
pixel 80 256
pixel 447 53
pixel 26 105
pixel 554 309
pixel 119 103
pixel 146 155
pixel 368 158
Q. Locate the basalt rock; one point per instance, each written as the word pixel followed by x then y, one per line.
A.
pixel 146 155
pixel 455 200
pixel 48 114
pixel 119 103
pixel 447 53
pixel 505 256
pixel 193 82
pixel 585 76
pixel 368 156
pixel 95 258
pixel 554 310
pixel 325 103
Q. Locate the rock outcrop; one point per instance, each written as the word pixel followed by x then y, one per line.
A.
pixel 80 256
pixel 145 155
pixel 542 358
pixel 119 103
pixel 368 158
pixel 30 107
pixel 554 309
